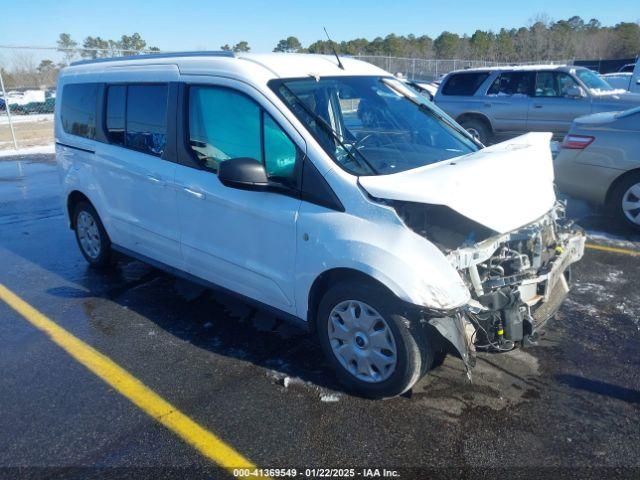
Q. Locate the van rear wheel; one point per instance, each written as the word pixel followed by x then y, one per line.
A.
pixel 91 236
pixel 376 351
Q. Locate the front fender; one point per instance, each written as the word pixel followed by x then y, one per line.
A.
pixel 411 267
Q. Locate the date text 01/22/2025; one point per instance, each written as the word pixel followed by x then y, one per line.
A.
pixel 316 473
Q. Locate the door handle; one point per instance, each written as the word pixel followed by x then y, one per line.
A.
pixel 155 180
pixel 537 105
pixel 194 193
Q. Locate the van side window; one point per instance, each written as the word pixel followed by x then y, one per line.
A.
pixel 280 153
pixel 512 83
pixel 115 118
pixel 78 110
pixel 464 83
pixel 146 118
pixel 225 124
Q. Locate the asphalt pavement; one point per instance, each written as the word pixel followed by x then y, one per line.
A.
pixel 569 406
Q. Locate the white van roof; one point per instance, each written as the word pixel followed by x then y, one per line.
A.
pixel 266 66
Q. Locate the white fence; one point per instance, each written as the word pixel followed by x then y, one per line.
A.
pixel 433 69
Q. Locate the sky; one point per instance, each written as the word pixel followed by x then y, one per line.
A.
pixel 191 24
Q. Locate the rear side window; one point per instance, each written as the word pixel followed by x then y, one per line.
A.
pixel 146 118
pixel 78 109
pixel 136 117
pixel 512 83
pixel 464 83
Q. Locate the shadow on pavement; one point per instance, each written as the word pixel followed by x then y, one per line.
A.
pixel 600 388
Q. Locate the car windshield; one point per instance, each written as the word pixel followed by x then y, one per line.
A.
pixel 374 125
pixel 593 81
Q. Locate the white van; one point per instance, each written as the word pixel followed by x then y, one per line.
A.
pixel 324 190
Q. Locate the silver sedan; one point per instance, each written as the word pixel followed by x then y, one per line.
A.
pixel 599 162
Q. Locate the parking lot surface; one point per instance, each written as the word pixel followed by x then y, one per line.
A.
pixel 263 388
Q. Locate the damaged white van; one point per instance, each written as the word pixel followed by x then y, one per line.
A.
pixel 322 189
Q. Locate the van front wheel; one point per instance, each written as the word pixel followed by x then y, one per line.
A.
pixel 376 351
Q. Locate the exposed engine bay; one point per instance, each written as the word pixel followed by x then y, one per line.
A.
pixel 517 280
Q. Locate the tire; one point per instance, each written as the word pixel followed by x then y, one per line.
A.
pixel 91 236
pixel 624 199
pixel 477 128
pixel 366 346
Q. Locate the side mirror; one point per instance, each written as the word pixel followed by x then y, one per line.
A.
pixel 245 173
pixel 575 92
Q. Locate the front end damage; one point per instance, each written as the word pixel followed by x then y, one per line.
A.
pixel 517 280
pixel 494 215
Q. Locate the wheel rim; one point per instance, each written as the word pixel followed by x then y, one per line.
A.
pixel 362 341
pixel 631 203
pixel 88 234
pixel 474 132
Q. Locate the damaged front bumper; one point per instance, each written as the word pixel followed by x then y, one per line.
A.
pixel 517 282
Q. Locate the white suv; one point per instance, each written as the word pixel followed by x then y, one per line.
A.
pixel 326 191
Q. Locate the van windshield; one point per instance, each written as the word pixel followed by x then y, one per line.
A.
pixel 373 125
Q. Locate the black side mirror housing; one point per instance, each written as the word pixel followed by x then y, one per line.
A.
pixel 243 172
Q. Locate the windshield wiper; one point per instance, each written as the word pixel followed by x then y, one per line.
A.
pixel 425 108
pixel 321 121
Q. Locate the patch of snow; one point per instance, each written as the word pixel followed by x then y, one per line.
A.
pixel 616 277
pixel 39 150
pixel 601 93
pixel 612 239
pixel 289 381
pixel 329 397
pixel 39 117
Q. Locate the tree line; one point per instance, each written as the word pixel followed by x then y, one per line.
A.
pixel 543 39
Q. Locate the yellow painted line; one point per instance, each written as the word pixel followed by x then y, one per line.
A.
pixel 604 248
pixel 130 387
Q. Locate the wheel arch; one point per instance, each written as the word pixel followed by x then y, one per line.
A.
pixel 330 277
pixel 476 116
pixel 73 198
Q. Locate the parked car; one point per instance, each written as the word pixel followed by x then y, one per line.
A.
pixel 618 80
pixel 342 200
pixel 428 89
pixel 30 108
pixel 628 68
pixel 599 162
pixel 513 100
pixel 635 79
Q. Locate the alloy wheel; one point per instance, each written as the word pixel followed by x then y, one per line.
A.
pixel 631 203
pixel 88 234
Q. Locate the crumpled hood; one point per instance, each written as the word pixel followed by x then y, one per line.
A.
pixel 502 187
